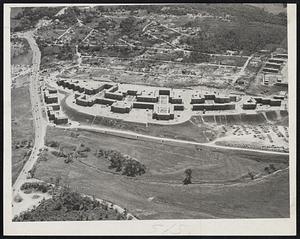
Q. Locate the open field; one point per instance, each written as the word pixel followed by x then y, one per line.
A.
pixel 221 182
pixel 24 59
pixel 22 128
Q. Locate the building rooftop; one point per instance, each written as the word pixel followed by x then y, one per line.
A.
pixel 60 115
pixel 176 94
pixel 196 95
pixel 163 99
pixel 121 104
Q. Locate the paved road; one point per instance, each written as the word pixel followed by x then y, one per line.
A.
pixel 134 135
pixel 39 122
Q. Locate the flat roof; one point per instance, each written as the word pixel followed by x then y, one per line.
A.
pixel 150 94
pixel 176 94
pixel 91 84
pixel 163 109
pixel 122 104
pixel 163 99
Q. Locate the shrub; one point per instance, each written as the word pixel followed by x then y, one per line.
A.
pixel 36 186
pixel 18 198
pixel 53 144
pixel 59 154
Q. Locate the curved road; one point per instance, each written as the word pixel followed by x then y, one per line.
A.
pixel 39 123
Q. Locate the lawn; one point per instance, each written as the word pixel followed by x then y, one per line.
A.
pixel 22 128
pixel 221 186
pixel 24 59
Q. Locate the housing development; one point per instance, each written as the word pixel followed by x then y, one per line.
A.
pixel 132 112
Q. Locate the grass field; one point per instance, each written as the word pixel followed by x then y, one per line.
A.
pixel 24 59
pixel 22 128
pixel 221 183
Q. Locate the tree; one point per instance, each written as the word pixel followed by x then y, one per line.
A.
pixel 188 176
pixel 57 180
pixel 127 24
pixel 267 169
pixel 272 167
pixel 251 175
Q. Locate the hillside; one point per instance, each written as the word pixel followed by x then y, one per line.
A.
pixel 271 8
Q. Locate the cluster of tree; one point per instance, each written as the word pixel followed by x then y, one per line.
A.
pixel 83 148
pixel 271 168
pixel 89 16
pixel 36 186
pixel 23 50
pixel 65 52
pixel 106 24
pixel 196 57
pixel 132 168
pixel 74 135
pixel 68 205
pixel 127 25
pixel 128 166
pixel 23 144
pixel 59 154
pixel 188 176
pixel 42 157
pixel 29 17
pixel 178 10
pixel 52 144
pixel 70 15
pixel 32 171
pixel 243 13
pixel 68 157
pixel 158 9
pixel 75 152
pixel 132 26
pixel 248 38
pixel 251 175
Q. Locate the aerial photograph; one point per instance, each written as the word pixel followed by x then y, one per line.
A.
pixel 149 112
